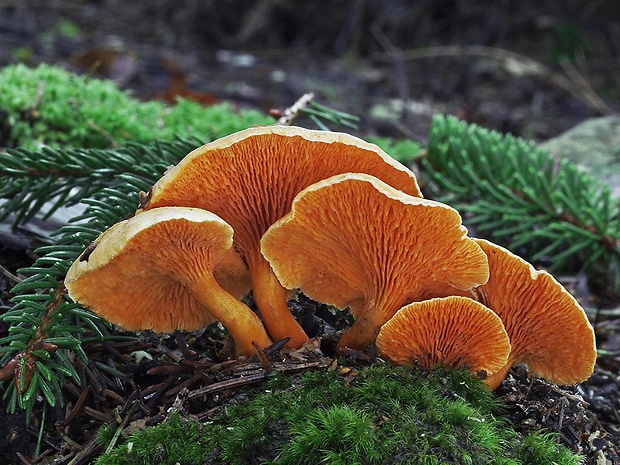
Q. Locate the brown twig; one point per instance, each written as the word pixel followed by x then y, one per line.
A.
pixel 77 407
pixel 22 459
pixel 10 275
pixel 262 357
pixel 182 344
pixel 287 116
pixel 253 373
pixel 22 366
pixel 586 89
pixel 185 384
pixel 230 383
pixel 109 137
pixel 568 395
pixel 96 414
pixel 273 348
pixel 31 113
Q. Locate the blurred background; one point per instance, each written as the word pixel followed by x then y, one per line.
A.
pixel 531 68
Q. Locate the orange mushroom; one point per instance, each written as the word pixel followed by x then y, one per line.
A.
pixel 353 241
pixel 250 179
pixel 548 329
pixel 453 331
pixel 168 269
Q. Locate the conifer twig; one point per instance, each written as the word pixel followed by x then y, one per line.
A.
pixel 317 113
pixel 518 195
pixel 287 116
pixel 109 137
pixel 21 367
pixel 45 328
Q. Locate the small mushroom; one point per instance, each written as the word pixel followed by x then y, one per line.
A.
pixel 250 178
pixel 548 329
pixel 168 269
pixel 453 331
pixel 353 241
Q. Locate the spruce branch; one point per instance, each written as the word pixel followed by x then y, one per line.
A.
pixel 516 193
pixel 31 179
pixel 47 329
pixel 318 113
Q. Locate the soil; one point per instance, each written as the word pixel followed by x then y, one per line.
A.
pixel 522 67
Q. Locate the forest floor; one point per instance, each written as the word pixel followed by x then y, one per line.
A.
pixel 533 74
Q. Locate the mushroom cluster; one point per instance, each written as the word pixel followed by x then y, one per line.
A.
pixel 280 208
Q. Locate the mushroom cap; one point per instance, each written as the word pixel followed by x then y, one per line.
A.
pixel 353 241
pixel 251 177
pixel 453 331
pixel 548 329
pixel 129 275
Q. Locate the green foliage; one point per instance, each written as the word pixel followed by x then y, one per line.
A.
pixel 569 42
pixel 339 434
pixel 68 28
pixel 29 179
pixel 387 415
pixel 46 328
pixel 50 106
pixel 405 150
pixel 177 440
pixel 319 113
pixel 538 448
pixel 520 197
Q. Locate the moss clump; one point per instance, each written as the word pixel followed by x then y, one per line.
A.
pixel 386 415
pixel 50 106
pixel 405 150
pixel 177 440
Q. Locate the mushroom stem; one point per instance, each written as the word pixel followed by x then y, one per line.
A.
pixel 495 379
pixel 241 322
pixel 270 298
pixel 363 332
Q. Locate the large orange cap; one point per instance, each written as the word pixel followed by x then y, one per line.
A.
pixel 548 329
pixel 250 178
pixel 353 241
pixel 164 270
pixel 453 331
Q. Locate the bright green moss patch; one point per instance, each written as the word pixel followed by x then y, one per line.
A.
pixel 50 106
pixel 538 448
pixel 176 440
pixel 405 150
pixel 386 415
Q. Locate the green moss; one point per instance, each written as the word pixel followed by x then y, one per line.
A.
pixel 387 415
pixel 338 434
pixel 538 448
pixel 177 440
pixel 50 106
pixel 405 151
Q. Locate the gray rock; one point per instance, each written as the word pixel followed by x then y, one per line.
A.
pixel 594 145
pixel 38 230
